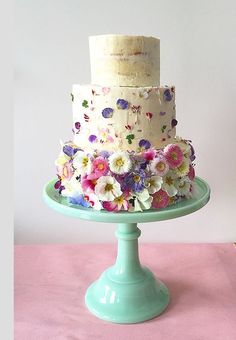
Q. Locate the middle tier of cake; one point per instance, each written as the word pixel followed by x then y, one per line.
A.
pixel 123 118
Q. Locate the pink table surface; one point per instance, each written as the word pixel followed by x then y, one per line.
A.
pixel 51 281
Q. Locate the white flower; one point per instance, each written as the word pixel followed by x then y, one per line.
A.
pixel 169 184
pixel 183 169
pixel 94 201
pixel 153 184
pixel 72 187
pixel 183 186
pixel 142 201
pixel 82 163
pixel 62 159
pixel 120 162
pixel 107 188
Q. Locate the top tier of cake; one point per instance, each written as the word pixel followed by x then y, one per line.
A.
pixel 122 60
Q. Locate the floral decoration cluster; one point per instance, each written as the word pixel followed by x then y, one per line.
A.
pixel 129 181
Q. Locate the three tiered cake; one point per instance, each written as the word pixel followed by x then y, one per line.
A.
pixel 125 154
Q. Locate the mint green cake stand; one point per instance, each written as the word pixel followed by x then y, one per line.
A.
pixel 127 292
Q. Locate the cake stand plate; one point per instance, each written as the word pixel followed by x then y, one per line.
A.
pixel 127 292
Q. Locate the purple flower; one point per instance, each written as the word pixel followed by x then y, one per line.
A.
pixel 92 138
pixel 57 184
pixel 104 154
pixel 162 113
pixel 167 95
pixel 192 151
pixel 174 122
pixel 61 188
pixel 69 150
pixel 107 112
pixel 122 104
pixel 77 125
pixel 135 181
pixel 79 200
pixel 144 144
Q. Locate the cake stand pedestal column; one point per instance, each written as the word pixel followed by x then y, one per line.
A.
pixel 127 292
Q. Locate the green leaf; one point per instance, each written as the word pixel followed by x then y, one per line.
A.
pixel 163 128
pixel 130 138
pixel 85 103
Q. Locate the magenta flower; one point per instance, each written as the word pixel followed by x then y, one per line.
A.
pixel 88 184
pixel 191 174
pixel 100 167
pixel 149 154
pixel 160 199
pixel 173 155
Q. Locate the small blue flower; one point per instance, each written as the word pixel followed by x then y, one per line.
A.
pixel 122 104
pixel 107 112
pixel 79 200
pixel 167 95
pixel 105 154
pixel 144 144
pixel 135 181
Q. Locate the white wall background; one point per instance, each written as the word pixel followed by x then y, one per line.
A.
pixel 198 55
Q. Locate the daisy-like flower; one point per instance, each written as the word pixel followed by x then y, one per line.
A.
pixel 173 155
pixel 120 162
pixel 184 146
pixel 160 199
pixel 100 167
pixel 183 168
pixel 141 201
pixel 107 188
pixel 153 184
pixel 159 166
pixel 168 184
pixel 119 203
pixel 183 186
pixel 82 163
pixel 135 181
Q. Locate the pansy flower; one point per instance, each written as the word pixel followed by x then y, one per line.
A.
pixel 167 95
pixel 168 185
pixel 153 184
pixel 82 163
pixel 141 201
pixel 144 144
pixel 122 104
pixel 107 188
pixel 80 200
pixel 135 181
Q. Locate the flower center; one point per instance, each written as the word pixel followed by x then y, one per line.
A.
pixel 100 166
pixel 136 178
pixel 160 166
pixel 181 185
pixel 85 161
pixel 108 187
pixel 174 156
pixel 151 182
pixel 119 200
pixel 119 162
pixel 169 180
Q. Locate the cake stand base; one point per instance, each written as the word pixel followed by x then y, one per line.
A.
pixel 127 292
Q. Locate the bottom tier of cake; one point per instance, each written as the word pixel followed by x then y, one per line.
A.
pixel 126 181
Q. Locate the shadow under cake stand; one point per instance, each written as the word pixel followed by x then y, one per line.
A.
pixel 127 292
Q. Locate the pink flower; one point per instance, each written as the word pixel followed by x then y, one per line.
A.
pixel 100 167
pixel 119 203
pixel 149 155
pixel 159 166
pixel 88 184
pixel 191 174
pixel 160 199
pixel 65 171
pixel 173 155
